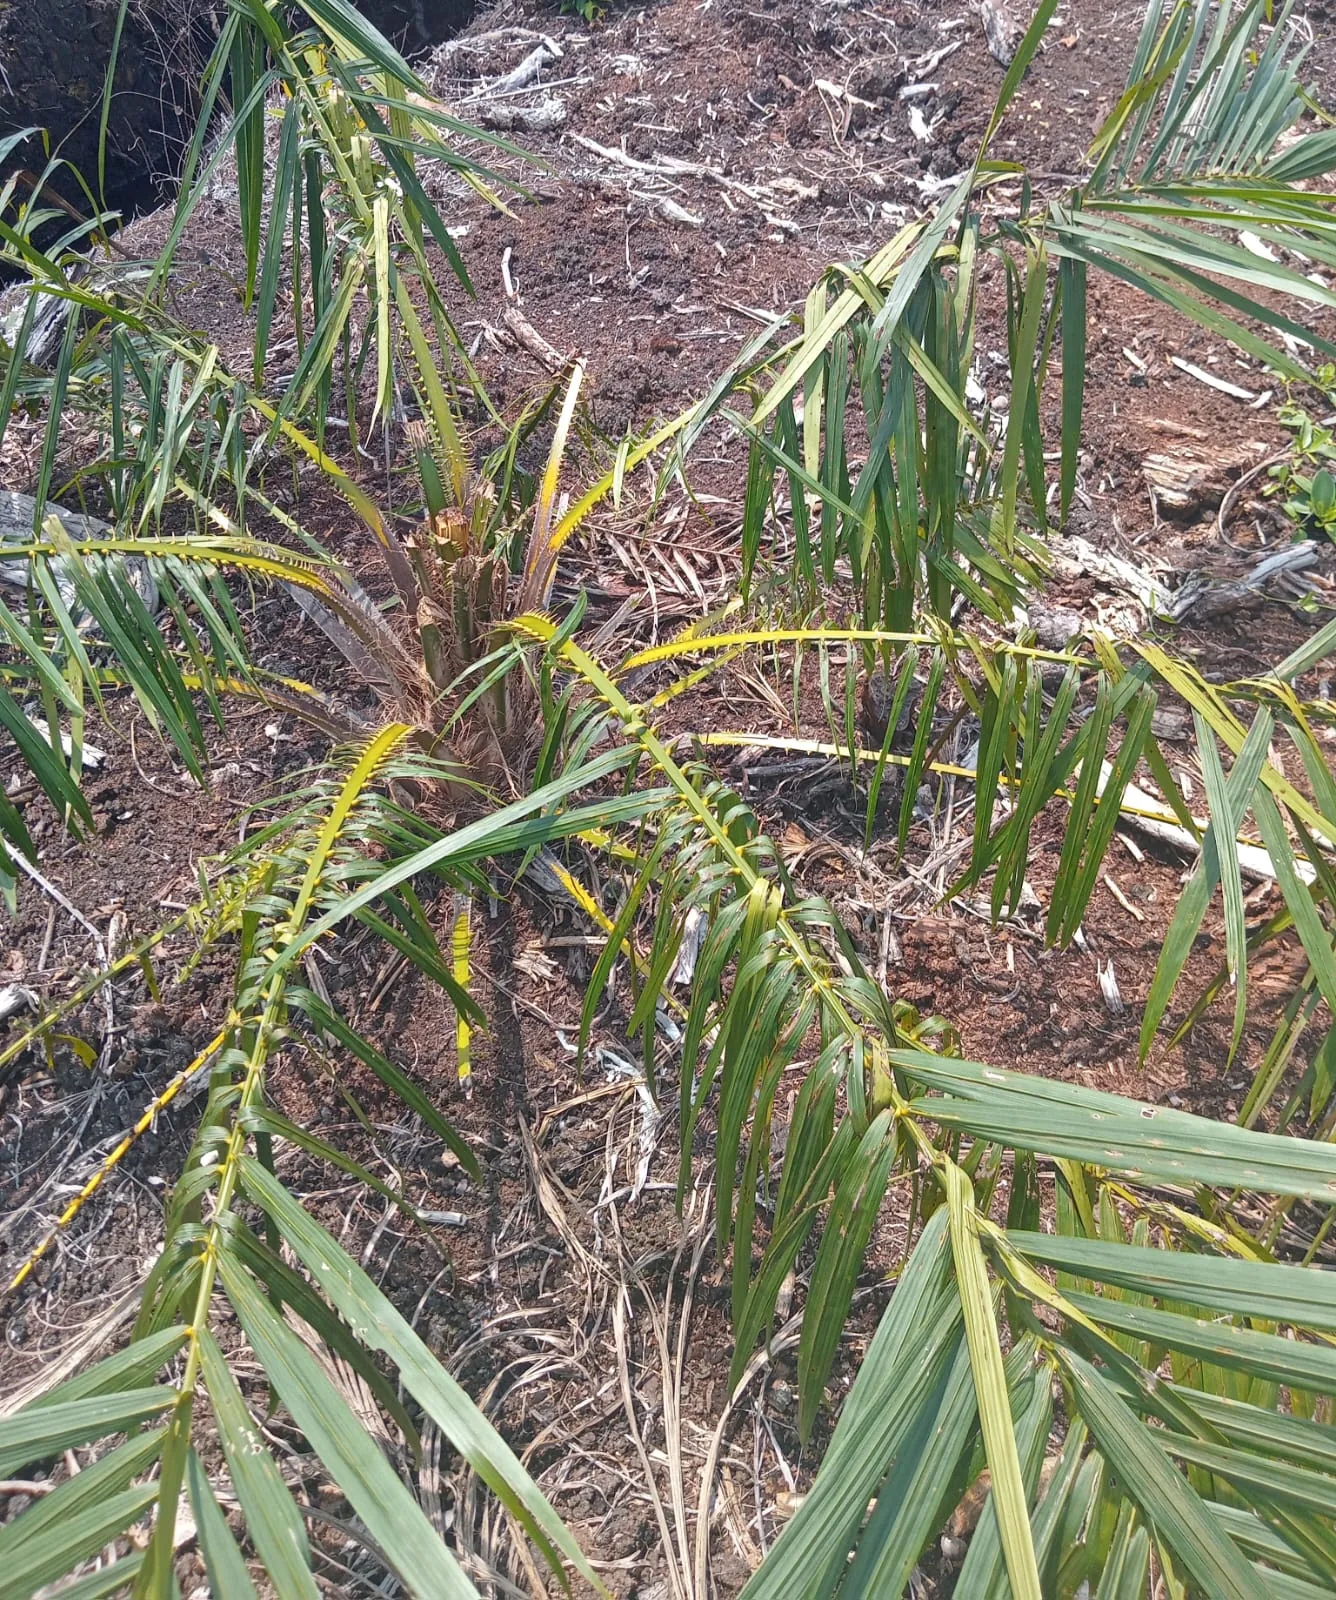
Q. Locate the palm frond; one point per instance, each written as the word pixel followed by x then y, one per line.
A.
pixel 297 876
pixel 1202 145
pixel 770 966
pixel 927 1425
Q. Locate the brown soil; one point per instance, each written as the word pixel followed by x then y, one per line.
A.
pixel 522 1296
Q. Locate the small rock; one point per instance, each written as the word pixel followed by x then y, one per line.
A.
pixel 1055 626
pixel 1002 31
pixel 877 701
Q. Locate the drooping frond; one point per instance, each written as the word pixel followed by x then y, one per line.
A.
pixel 340 850
pixel 740 982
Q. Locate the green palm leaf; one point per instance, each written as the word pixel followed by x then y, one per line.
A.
pixel 1166 1498
pixel 78 1518
pixel 1009 1497
pixel 379 1326
pixel 391 1516
pixel 272 1517
pixel 1064 1119
pixel 1296 1297
pixel 913 1347
pixel 222 1560
pixel 38 1431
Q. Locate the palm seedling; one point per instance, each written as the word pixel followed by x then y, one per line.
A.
pixel 460 576
pixel 895 490
pixel 1108 1305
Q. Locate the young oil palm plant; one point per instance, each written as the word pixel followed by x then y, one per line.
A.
pixel 180 437
pixel 467 567
pixel 1219 1470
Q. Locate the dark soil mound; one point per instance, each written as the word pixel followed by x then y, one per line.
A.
pixel 54 56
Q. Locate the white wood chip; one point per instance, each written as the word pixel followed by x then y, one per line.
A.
pixel 1257 246
pixel 1211 381
pixel 1108 987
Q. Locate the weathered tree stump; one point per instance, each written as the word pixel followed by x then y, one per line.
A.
pixel 1192 479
